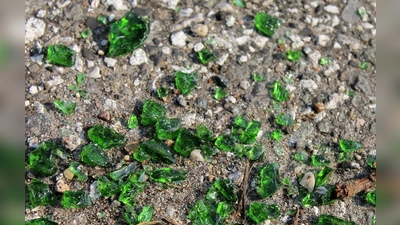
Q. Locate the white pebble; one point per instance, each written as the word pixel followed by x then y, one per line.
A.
pixel 323 39
pixel 41 13
pixel 308 181
pixel 231 99
pixel 178 39
pixel 138 57
pixel 95 73
pixel 242 40
pixel 34 28
pixel 242 59
pixel 221 60
pixel 196 156
pixel 33 89
pixel 230 21
pixel 166 50
pixel 110 62
pixel 198 47
pixel 332 9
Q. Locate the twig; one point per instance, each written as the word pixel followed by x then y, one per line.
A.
pixel 242 201
pixel 150 223
pixel 296 218
pixel 353 187
pixel 175 186
pixel 172 221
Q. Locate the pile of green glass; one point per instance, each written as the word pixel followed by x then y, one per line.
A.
pixel 331 220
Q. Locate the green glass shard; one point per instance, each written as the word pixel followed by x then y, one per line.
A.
pixel 129 192
pixel 123 172
pixel 291 189
pixel 323 176
pixel 255 152
pixel 374 220
pixel 80 78
pixel 258 77
pixel 40 194
pixel 186 82
pixel 240 3
pixel 146 214
pixel 204 133
pixel 204 212
pixel 284 120
pixel 60 55
pixel 127 34
pixel 363 65
pixel 222 190
pixel 86 33
pixel 220 93
pixel 132 122
pixel 75 168
pixel 167 175
pixel 205 56
pixel 278 92
pixel 162 92
pixel 309 200
pixel 154 150
pixel 138 177
pixel 301 157
pixel 40 221
pixel 42 160
pixel 152 112
pixel 240 122
pixel 107 187
pixel 186 142
pixel 75 199
pixel 93 155
pixel 331 220
pixel 105 137
pixel 268 181
pixel 209 149
pixel 324 61
pixel 225 143
pixel 293 55
pixel 168 129
pixel 277 135
pixel 371 161
pixel 362 12
pixel 319 160
pixel 240 150
pixel 224 209
pixel 249 135
pixel 330 197
pixel 260 212
pixel 371 197
pixel 102 19
pixel 65 107
pixel 349 145
pixel 266 24
pixel 130 215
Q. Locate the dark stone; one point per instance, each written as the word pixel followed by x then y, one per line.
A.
pixel 151 49
pixel 363 84
pixel 292 25
pixel 156 58
pixel 257 89
pixel 221 81
pixel 201 103
pixel 353 64
pixel 86 53
pixel 306 32
pixel 156 41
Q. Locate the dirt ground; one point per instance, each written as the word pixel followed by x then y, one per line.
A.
pixel 330 28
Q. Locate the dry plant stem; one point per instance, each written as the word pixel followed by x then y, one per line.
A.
pixel 150 223
pixel 296 218
pixel 353 187
pixel 242 202
pixel 171 221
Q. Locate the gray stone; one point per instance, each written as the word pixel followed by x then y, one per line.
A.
pixel 34 28
pixel 363 84
pixel 310 85
pixel 314 58
pixel 244 84
pixel 308 181
pixel 95 73
pixel 349 13
pixel 186 12
pixel 221 60
pixel 332 9
pixel 33 89
pixel 110 62
pixel 198 47
pixel 201 103
pixel 178 39
pixel 138 57
pixel 181 100
pixel 224 7
pixel 323 127
pixel 230 21
pixel 353 43
pixel 242 40
pixel 323 39
pixel 93 192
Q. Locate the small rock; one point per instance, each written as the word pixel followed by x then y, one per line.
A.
pixel 104 115
pixel 315 210
pixel 221 60
pixel 118 4
pixel 336 45
pixel 230 21
pixel 110 62
pixel 353 43
pixel 138 57
pixel 308 181
pixel 95 73
pixel 196 156
pixel 166 50
pixel 307 50
pixel 242 40
pixel 333 103
pixel 224 7
pixel 323 127
pixel 280 67
pixel 32 142
pixel 39 107
pixel 363 84
pixel 109 104
pixel 61 186
pixel 71 142
pixel 260 41
pixel 321 190
pixel 115 204
pixel 349 13
pixel 34 28
pixel 231 99
pixel 314 58
pixel 178 39
pixel 244 84
pixel 33 89
pixel 323 39
pixel 181 100
pixel 93 191
pixel 319 107
pixel 332 9
pixel 201 103
pixel 68 174
pixel 186 12
pixel 242 59
pixel 199 29
pixel 198 47
pixel 310 85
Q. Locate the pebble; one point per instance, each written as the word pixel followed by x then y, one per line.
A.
pixel 308 181
pixel 230 21
pixel 244 84
pixel 199 29
pixel 104 115
pixel 138 57
pixel 109 104
pixel 224 7
pixel 333 103
pixel 118 4
pixel 166 50
pixel 367 26
pixel 332 9
pixel 323 39
pixel 115 204
pixel 198 47
pixel 260 41
pixel 353 43
pixel 319 107
pixel 323 127
pixel 68 174
pixel 336 45
pixel 41 13
pixel 307 50
pixel 242 40
pixel 186 12
pixel 310 85
pixel 95 73
pixel 93 191
pixel 110 62
pixel 61 186
pixel 181 100
pixel 315 210
pixel 178 39
pixel 201 103
pixel 231 99
pixel 349 12
pixel 71 142
pixel 78 64
pixel 33 89
pixel 321 190
pixel 39 107
pixel 314 58
pixel 242 59
pixel 196 156
pixel 280 67
pixel 34 28
pixel 363 84
pixel 222 59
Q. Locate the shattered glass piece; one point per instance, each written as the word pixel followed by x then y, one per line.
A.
pixel 284 120
pixel 277 135
pixel 362 12
pixel 186 82
pixel 371 161
pixel 255 152
pixel 75 168
pixel 267 24
pixel 224 209
pixel 240 150
pixel 293 55
pixel 129 192
pixel 319 160
pixel 127 34
pixel 60 55
pixel 258 77
pixel 167 175
pixel 204 212
pixel 205 56
pixel 133 122
pixel 146 214
pixel 363 65
pixel 123 172
pixel 105 137
pixel 220 93
pixel 102 19
pixel 93 155
pixel 344 156
pixel 107 187
pixel 186 142
pixel 323 176
pixel 222 190
pixel 309 200
pixel 239 3
pixel 65 107
pixel 42 160
pixel 260 212
pixel 225 143
pixel 349 145
pixel 249 135
pixel 301 157
pixel 40 221
pixel 371 197
pixel 168 129
pixel 40 194
pixel 278 92
pixel 330 196
pixel 86 33
pixel 331 220
pixel 154 150
pixel 204 133
pixel 268 181
pixel 152 112
pixel 162 92
pixel 75 199
pixel 324 61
